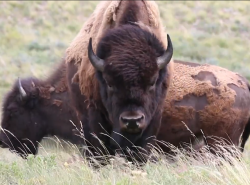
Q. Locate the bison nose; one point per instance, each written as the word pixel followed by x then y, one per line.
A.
pixel 132 120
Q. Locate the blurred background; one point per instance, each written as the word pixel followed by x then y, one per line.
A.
pixel 34 35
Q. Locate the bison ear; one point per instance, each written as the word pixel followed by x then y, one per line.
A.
pixel 33 98
pixel 95 60
pixel 163 60
pixel 29 99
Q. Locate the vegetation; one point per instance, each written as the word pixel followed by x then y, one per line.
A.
pixel 34 36
pixel 56 164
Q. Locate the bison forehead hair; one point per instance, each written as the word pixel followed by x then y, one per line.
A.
pixel 13 100
pixel 130 54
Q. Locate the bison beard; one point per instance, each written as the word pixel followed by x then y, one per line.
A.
pixel 131 70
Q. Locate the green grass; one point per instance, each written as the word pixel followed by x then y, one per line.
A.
pixel 34 36
pixel 56 164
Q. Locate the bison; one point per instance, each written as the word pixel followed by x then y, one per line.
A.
pixel 193 98
pixel 130 73
pixel 36 108
pixel 205 101
pixel 210 102
pixel 129 94
pixel 182 108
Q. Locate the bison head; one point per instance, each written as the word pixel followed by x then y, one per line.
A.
pixel 131 67
pixel 19 130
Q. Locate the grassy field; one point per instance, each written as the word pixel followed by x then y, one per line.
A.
pixel 34 36
pixel 56 164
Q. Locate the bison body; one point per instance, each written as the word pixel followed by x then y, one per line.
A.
pixel 208 101
pixel 193 106
pixel 36 108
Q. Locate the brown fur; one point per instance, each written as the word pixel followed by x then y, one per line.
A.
pixel 200 101
pixel 207 98
pixel 57 103
pixel 220 111
pixel 106 17
pixel 45 111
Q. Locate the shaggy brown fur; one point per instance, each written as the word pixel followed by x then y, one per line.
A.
pixel 55 83
pixel 45 111
pixel 105 17
pixel 207 98
pixel 203 97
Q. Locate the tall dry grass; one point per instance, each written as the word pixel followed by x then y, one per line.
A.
pixel 60 162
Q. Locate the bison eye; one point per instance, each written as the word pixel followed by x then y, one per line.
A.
pixel 151 85
pixel 110 87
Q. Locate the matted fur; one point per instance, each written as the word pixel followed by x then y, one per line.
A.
pixel 208 98
pixel 46 110
pixel 56 83
pixel 103 18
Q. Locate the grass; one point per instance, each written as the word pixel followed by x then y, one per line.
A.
pixel 56 164
pixel 34 36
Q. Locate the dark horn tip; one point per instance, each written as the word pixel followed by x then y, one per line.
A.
pixel 169 42
pixel 168 37
pixel 90 42
pixel 90 46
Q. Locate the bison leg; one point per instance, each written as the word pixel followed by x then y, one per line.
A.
pixel 96 134
pixel 245 136
pixel 148 139
pixel 224 146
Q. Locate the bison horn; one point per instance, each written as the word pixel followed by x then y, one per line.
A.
pixel 21 90
pixel 163 60
pixel 95 60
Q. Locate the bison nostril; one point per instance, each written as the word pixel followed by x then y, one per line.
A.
pixel 132 122
pixel 141 118
pixel 127 121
